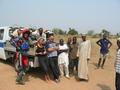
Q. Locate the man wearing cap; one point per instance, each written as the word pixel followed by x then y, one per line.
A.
pixel 105 45
pixel 84 51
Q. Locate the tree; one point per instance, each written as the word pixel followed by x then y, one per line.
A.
pixel 72 31
pixel 61 32
pixel 58 31
pixel 55 30
pixel 90 32
pixel 105 32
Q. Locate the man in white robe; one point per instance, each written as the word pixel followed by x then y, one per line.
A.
pixel 63 60
pixel 84 51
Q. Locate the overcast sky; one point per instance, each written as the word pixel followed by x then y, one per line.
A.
pixel 83 15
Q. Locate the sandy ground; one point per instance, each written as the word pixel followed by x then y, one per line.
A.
pixel 100 79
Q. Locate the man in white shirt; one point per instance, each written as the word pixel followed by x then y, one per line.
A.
pixel 63 60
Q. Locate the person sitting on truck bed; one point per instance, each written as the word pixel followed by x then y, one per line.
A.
pixel 40 33
pixel 41 52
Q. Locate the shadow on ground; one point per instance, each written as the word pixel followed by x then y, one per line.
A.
pixel 104 87
pixel 7 62
pixel 95 64
pixel 33 72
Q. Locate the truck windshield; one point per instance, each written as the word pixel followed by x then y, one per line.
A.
pixel 1 34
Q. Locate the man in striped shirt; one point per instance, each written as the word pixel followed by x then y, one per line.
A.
pixel 117 66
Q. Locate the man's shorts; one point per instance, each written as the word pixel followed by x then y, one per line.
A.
pixel 103 56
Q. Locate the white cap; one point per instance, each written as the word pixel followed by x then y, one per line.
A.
pixel 83 34
pixel 118 39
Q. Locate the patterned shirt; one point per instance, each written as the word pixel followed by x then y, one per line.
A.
pixel 117 66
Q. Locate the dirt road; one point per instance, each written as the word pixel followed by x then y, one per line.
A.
pixel 100 79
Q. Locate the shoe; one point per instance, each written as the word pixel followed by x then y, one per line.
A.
pixel 102 67
pixel 71 75
pixel 68 77
pixel 57 80
pixel 84 80
pixel 98 67
pixel 61 75
pixel 21 82
pixel 18 79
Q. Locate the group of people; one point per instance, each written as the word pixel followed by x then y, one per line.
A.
pixel 56 59
pixel 62 59
pixel 65 58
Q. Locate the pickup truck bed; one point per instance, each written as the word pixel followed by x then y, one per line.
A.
pixel 12 49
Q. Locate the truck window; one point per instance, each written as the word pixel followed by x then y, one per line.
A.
pixel 1 34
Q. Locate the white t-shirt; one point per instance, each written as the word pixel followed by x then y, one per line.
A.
pixel 63 47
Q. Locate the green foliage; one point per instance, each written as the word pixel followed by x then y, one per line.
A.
pixel 58 31
pixel 90 32
pixel 72 31
pixel 97 35
pixel 105 32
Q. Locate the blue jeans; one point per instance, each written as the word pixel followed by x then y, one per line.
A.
pixel 53 62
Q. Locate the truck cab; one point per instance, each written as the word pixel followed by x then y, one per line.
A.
pixel 4 36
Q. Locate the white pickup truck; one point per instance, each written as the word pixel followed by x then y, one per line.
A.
pixel 7 51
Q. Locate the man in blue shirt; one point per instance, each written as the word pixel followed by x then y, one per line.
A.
pixel 53 57
pixel 105 44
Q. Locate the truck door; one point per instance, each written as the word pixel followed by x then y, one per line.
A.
pixel 2 43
